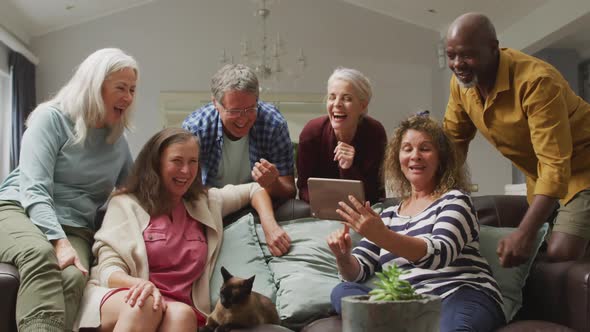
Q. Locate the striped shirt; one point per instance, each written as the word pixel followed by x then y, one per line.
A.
pixel 269 139
pixel 451 233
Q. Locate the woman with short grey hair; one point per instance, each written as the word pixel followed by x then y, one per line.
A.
pixel 346 143
pixel 73 155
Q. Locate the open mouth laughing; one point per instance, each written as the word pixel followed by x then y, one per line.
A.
pixel 180 181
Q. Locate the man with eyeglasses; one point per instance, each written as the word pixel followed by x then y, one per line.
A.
pixel 242 140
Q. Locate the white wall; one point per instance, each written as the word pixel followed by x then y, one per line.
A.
pixel 545 25
pixel 178 44
pixel 564 60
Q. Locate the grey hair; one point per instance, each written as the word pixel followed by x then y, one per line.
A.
pixel 359 81
pixel 235 77
pixel 81 98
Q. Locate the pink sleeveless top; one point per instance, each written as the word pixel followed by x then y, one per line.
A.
pixel 177 253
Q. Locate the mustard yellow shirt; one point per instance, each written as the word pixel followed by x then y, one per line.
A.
pixel 533 118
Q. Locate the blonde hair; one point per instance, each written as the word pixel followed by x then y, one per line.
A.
pixel 359 81
pixel 451 174
pixel 81 98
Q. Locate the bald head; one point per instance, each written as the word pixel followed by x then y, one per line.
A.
pixel 472 51
pixel 472 26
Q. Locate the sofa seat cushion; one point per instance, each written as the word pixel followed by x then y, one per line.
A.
pixel 307 274
pixel 330 324
pixel 534 326
pixel 264 328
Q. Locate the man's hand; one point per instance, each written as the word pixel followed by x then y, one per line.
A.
pixel 265 173
pixel 515 248
pixel 277 240
pixel 344 154
pixel 67 255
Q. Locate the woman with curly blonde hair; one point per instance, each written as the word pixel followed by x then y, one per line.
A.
pixel 449 175
pixel 432 233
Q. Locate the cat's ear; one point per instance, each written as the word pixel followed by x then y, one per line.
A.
pixel 249 282
pixel 226 275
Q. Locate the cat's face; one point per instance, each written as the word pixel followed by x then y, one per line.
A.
pixel 234 290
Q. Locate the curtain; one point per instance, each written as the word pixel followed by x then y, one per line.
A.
pixel 23 100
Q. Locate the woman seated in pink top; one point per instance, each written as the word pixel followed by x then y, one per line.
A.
pixel 346 143
pixel 159 241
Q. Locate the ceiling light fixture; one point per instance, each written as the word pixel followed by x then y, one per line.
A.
pixel 267 61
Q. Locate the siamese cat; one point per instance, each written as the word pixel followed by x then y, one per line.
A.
pixel 239 307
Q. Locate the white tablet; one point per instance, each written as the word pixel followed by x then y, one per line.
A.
pixel 324 195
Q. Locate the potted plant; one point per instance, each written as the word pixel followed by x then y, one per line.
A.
pixel 393 305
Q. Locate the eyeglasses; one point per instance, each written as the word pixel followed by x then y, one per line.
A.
pixel 237 113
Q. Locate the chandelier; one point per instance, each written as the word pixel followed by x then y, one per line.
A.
pixel 265 56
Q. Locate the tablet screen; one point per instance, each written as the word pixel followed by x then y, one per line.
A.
pixel 324 195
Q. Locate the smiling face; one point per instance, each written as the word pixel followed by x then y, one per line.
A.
pixel 471 57
pixel 419 159
pixel 179 164
pixel 239 126
pixel 344 107
pixel 118 92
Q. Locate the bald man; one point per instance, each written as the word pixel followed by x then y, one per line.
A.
pixel 527 110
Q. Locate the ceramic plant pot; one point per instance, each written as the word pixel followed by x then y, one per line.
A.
pixel 361 315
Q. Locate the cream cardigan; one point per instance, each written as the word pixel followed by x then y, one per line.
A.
pixel 119 244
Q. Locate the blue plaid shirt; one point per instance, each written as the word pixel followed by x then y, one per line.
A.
pixel 269 139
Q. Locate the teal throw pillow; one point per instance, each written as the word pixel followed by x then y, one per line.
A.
pixel 510 280
pixel 242 256
pixel 306 275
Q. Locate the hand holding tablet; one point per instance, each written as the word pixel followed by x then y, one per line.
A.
pixel 324 195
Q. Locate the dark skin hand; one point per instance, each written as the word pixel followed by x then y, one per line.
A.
pixel 515 248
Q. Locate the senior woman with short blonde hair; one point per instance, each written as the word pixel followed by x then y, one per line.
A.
pixel 346 143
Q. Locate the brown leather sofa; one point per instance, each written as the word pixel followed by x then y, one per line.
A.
pixel 9 283
pixel 556 295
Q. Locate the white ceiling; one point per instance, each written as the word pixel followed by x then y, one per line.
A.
pixel 39 17
pixel 438 14
pixel 43 16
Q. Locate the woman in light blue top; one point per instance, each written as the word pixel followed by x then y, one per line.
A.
pixel 73 155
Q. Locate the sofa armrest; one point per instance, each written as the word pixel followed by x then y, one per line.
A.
pixel 578 293
pixel 9 283
pixel 559 292
pixel 292 209
pixel 288 210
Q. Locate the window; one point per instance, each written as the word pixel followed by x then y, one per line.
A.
pixel 297 108
pixel 5 124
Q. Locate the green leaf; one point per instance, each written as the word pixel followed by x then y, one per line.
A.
pixel 391 287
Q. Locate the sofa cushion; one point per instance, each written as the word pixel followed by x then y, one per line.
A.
pixel 242 256
pixel 307 274
pixel 510 280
